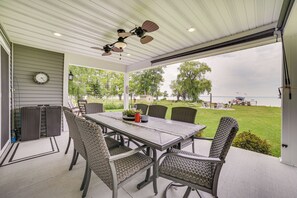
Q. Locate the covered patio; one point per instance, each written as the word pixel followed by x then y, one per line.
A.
pixel 48 36
pixel 246 174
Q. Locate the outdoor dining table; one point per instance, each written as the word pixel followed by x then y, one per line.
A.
pixel 158 134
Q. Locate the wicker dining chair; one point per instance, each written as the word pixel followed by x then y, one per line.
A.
pixel 78 143
pixel 94 108
pixel 70 131
pixel 142 107
pixel 196 171
pixel 185 114
pixel 81 106
pixel 115 167
pixel 158 111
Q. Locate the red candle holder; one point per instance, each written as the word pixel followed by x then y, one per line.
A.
pixel 137 117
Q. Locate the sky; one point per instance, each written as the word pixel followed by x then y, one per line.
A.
pixel 254 72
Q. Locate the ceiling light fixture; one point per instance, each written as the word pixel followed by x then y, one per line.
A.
pixel 128 54
pixel 191 29
pixel 57 34
pixel 121 44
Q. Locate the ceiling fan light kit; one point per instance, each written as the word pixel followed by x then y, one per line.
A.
pixel 120 44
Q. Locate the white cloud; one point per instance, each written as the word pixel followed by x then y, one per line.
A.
pixel 256 72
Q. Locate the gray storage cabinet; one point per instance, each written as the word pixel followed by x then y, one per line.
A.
pixel 30 121
pixel 53 120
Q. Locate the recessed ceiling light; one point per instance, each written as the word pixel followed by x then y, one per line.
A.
pixel 57 34
pixel 128 54
pixel 191 29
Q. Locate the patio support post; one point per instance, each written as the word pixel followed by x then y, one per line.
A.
pixel 126 90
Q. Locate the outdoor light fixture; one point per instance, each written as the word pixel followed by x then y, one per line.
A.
pixel 70 76
pixel 191 29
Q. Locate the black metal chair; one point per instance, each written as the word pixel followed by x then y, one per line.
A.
pixel 158 111
pixel 94 108
pixel 196 171
pixel 185 114
pixel 116 166
pixel 142 107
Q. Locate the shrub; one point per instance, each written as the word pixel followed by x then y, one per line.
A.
pixel 113 105
pixel 249 141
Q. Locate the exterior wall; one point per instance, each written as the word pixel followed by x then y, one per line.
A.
pixel 28 61
pixel 4 94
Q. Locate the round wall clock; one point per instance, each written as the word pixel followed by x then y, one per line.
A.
pixel 41 78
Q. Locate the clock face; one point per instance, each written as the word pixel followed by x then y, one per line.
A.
pixel 41 78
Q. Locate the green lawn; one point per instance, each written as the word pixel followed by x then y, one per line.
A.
pixel 265 122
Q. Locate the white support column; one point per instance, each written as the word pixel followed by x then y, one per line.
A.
pixel 65 87
pixel 126 90
pixel 289 106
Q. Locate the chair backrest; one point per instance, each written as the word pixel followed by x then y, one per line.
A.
pixel 70 104
pixel 158 111
pixel 184 114
pixel 224 136
pixel 81 106
pixel 94 108
pixel 142 107
pixel 74 132
pixel 97 151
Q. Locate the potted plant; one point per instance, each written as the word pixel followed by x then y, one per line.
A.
pixel 131 112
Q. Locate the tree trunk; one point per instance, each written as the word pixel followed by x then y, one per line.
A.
pixel 120 96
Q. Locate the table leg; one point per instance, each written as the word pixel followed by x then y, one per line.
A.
pixel 148 179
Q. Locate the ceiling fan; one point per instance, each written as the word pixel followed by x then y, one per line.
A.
pixel 120 44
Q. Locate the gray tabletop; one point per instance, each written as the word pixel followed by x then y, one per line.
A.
pixel 157 133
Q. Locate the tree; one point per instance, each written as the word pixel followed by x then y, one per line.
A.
pixel 95 82
pixel 165 94
pixel 191 81
pixel 117 85
pixel 147 82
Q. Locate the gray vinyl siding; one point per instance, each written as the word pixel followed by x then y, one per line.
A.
pixel 28 61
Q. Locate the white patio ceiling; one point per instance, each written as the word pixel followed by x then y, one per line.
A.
pixel 84 24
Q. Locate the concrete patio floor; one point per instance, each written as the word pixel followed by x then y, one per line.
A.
pixel 245 175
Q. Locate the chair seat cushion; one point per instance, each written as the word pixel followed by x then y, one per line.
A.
pixel 196 172
pixel 128 166
pixel 111 143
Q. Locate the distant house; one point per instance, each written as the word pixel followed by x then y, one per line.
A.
pixel 147 98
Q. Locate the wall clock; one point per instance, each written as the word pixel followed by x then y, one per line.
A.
pixel 41 78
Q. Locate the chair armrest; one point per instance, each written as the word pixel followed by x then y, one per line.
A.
pixel 126 154
pixel 110 134
pixel 191 157
pixel 203 138
pixel 199 158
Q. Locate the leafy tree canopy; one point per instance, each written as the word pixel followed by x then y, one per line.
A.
pixel 191 81
pixel 95 82
pixel 147 82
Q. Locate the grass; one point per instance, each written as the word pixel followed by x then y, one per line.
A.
pixel 265 122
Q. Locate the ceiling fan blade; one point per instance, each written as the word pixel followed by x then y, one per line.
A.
pixel 124 34
pixel 115 49
pixel 149 26
pixel 106 54
pixel 97 48
pixel 146 39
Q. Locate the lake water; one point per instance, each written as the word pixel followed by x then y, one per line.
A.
pixel 255 100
